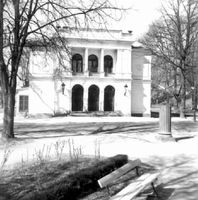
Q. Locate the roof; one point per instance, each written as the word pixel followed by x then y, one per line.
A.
pixel 96 34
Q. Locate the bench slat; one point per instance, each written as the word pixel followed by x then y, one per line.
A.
pixel 106 180
pixel 133 189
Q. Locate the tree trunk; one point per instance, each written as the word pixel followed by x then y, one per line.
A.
pixel 176 87
pixel 195 103
pixel 183 97
pixel 8 87
pixel 9 112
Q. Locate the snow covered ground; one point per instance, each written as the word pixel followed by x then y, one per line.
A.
pixel 107 136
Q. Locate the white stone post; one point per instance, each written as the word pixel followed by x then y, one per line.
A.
pixel 101 99
pixel 85 99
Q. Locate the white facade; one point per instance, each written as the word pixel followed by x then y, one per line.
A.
pixel 101 73
pixel 141 82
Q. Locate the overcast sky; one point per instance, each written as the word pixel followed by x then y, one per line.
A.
pixel 143 12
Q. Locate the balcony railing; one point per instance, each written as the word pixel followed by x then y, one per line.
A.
pixel 101 74
pixel 94 74
pixel 77 73
pixel 108 74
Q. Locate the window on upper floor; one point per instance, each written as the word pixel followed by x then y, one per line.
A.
pixel 23 103
pixel 93 63
pixel 77 63
pixel 108 64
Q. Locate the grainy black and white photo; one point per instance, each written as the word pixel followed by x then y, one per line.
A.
pixel 98 99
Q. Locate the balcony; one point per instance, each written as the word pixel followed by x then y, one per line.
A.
pixel 95 74
pixel 100 74
pixel 77 73
pixel 108 74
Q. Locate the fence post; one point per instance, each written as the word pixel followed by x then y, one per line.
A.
pixel 165 119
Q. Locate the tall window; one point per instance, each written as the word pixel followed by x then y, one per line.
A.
pixel 108 64
pixel 23 103
pixel 93 63
pixel 77 63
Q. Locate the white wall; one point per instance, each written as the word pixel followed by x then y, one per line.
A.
pixel 41 97
pixel 42 62
pixel 141 82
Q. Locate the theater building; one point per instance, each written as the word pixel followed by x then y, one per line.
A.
pixel 103 72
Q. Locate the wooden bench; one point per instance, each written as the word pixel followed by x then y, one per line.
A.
pixel 135 187
pixel 108 179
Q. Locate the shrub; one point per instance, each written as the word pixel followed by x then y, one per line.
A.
pixel 80 183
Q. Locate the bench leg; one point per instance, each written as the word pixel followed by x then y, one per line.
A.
pixel 155 191
pixel 108 190
pixel 137 171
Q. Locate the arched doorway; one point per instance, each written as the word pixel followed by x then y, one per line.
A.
pixel 77 98
pixel 93 98
pixel 109 94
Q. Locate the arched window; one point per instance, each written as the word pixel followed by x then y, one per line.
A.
pixel 93 63
pixel 77 63
pixel 108 64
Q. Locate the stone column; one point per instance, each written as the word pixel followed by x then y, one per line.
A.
pixel 118 63
pixel 165 119
pixel 86 72
pixel 101 99
pixel 85 99
pixel 101 66
pixel 115 60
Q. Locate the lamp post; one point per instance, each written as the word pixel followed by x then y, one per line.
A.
pixel 125 89
pixel 63 87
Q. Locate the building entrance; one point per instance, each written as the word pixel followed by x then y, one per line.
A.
pixel 109 94
pixel 93 98
pixel 77 98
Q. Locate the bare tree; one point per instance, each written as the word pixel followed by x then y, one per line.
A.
pixel 172 39
pixel 164 82
pixel 22 21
